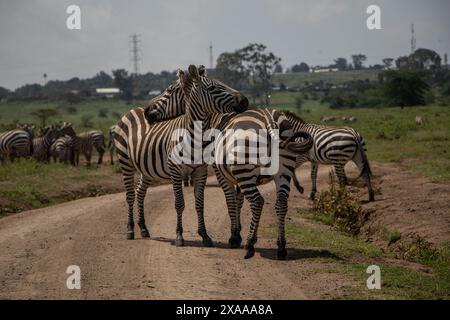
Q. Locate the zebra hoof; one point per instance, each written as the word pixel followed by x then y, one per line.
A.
pixel 312 195
pixel 281 254
pixel 208 242
pixel 130 235
pixel 234 242
pixel 145 233
pixel 250 252
pixel 179 242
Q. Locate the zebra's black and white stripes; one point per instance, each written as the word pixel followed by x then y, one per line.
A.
pixel 335 146
pixel 15 143
pixel 147 148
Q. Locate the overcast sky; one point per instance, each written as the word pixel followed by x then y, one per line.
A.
pixel 35 39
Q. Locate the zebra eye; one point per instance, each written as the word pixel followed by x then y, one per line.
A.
pixel 212 87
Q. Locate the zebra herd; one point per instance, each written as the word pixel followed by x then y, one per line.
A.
pixel 143 140
pixel 58 142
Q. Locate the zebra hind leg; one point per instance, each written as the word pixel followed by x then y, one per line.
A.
pixel 141 191
pixel 314 169
pixel 230 198
pixel 179 207
pixel 199 177
pixel 281 206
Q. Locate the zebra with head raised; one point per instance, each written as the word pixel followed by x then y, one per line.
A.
pixel 42 143
pixel 15 143
pixel 335 146
pixel 149 149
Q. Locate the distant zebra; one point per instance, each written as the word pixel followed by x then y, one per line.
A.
pixel 86 141
pixel 111 145
pixel 15 143
pixel 335 146
pixel 42 144
pixel 62 149
pixel 148 148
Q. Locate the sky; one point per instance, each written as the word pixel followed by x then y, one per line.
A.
pixel 175 33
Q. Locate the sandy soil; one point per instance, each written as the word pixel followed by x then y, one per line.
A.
pixel 37 246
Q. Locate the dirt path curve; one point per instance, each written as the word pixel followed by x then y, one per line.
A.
pixel 37 246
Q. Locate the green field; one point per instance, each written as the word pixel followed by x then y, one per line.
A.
pixel 298 79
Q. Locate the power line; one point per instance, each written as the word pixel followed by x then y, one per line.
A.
pixel 413 39
pixel 211 59
pixel 136 52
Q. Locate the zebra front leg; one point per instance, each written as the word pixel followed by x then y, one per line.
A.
pixel 179 207
pixel 101 152
pixel 230 198
pixel 314 169
pixel 128 180
pixel 141 191
pixel 199 177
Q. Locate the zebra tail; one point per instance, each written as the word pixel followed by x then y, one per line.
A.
pixel 366 165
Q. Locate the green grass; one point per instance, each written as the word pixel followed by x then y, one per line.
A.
pixel 391 133
pixel 299 79
pixel 350 257
pixel 27 184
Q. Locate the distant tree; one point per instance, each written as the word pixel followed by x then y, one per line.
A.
pixel 341 63
pixel 358 60
pixel 302 67
pixel 388 62
pixel 29 91
pixel 230 69
pixel 402 63
pixel 278 69
pixel 44 114
pixel 4 93
pixel 260 66
pixel 405 88
pixel 124 82
pixel 425 59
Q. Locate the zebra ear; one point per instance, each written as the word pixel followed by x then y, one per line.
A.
pixel 194 73
pixel 202 70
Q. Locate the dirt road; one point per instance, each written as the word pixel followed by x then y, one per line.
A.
pixel 37 246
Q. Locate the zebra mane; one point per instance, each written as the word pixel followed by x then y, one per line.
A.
pixel 293 115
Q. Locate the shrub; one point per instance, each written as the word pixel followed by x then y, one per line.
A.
pixel 103 113
pixel 340 207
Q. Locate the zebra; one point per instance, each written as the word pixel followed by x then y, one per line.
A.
pixel 148 148
pixel 111 145
pixel 15 143
pixel 236 177
pixel 42 144
pixel 62 149
pixel 336 146
pixel 241 180
pixel 84 142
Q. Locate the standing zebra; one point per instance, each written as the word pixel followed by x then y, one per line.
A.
pixel 111 145
pixel 86 141
pixel 246 176
pixel 42 144
pixel 15 143
pixel 149 148
pixel 62 149
pixel 335 146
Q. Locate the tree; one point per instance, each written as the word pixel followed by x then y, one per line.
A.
pixel 4 93
pixel 425 59
pixel 387 62
pixel 358 60
pixel 302 67
pixel 341 63
pixel 125 83
pixel 278 69
pixel 231 70
pixel 405 88
pixel 44 114
pixel 402 63
pixel 260 66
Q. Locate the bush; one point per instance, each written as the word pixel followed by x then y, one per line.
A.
pixel 339 207
pixel 103 113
